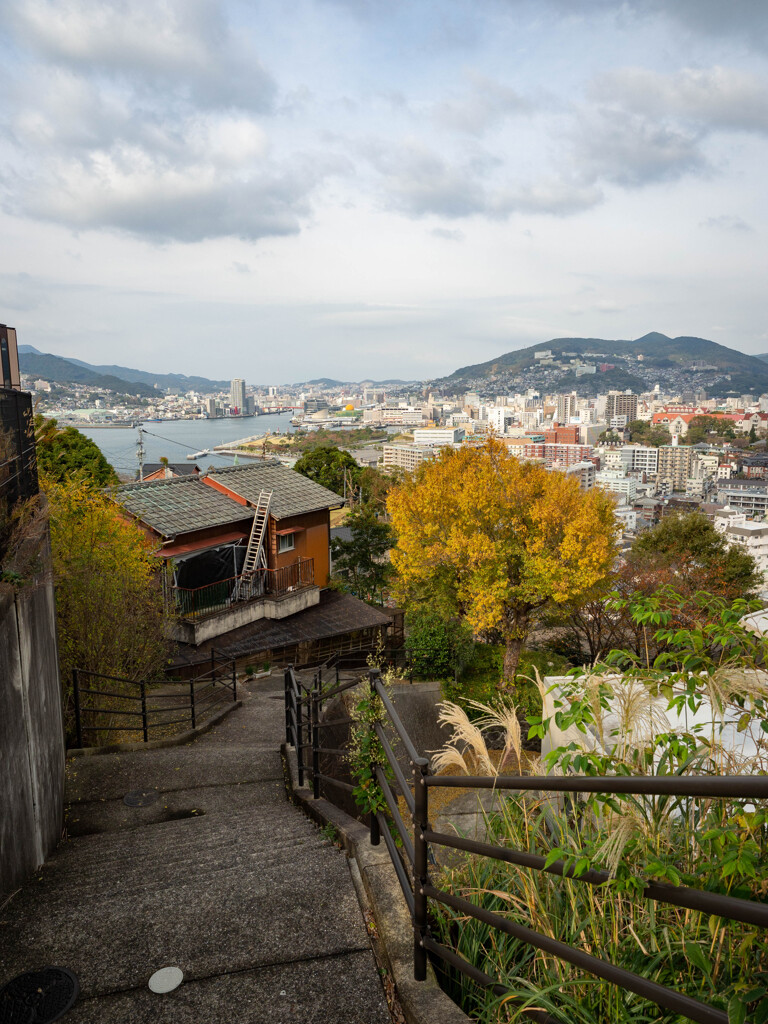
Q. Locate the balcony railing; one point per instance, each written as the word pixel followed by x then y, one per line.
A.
pixel 196 602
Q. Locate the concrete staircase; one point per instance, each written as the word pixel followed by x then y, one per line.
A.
pixel 220 876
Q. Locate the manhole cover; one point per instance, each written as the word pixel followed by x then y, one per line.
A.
pixel 38 997
pixel 140 797
pixel 166 979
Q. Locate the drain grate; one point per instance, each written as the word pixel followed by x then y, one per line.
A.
pixel 140 797
pixel 38 997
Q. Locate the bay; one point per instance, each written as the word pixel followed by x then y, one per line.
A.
pixel 175 439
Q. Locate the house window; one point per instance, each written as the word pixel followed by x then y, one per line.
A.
pixel 286 542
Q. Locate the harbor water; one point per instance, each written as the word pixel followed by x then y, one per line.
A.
pixel 176 439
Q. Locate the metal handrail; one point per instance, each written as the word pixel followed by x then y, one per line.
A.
pixel 412 870
pixel 201 694
pixel 195 602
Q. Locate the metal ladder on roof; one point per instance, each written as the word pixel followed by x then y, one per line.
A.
pixel 255 555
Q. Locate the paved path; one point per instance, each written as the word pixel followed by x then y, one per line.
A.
pixel 221 877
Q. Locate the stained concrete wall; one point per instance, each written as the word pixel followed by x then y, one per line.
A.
pixel 197 631
pixel 31 731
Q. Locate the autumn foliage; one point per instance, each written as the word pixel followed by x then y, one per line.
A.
pixel 499 541
pixel 109 605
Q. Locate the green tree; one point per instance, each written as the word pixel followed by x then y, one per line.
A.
pixel 64 454
pixel 706 428
pixel 438 646
pixel 328 466
pixel 690 546
pixel 361 563
pixel 644 432
pixel 497 542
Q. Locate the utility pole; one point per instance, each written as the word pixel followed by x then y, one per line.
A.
pixel 140 453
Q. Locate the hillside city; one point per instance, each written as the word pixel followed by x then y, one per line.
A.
pixel 636 446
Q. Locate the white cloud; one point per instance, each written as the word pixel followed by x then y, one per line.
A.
pixel 726 222
pixel 419 181
pixel 185 44
pixel 484 105
pixel 632 151
pixel 713 98
pixel 129 189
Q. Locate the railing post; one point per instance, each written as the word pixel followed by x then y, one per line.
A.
pixel 373 676
pixel 144 710
pixel 76 696
pixel 192 701
pixel 234 681
pixel 299 733
pixel 316 737
pixel 420 869
pixel 287 685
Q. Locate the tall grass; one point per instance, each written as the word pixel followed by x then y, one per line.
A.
pixel 717 845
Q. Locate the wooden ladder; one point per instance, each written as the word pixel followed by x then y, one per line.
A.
pixel 255 555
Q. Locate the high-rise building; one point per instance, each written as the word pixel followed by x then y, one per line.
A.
pixel 621 404
pixel 210 408
pixel 674 466
pixel 237 396
pixel 566 408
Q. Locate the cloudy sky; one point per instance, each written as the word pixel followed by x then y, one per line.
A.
pixel 356 188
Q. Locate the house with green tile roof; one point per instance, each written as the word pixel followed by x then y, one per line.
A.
pixel 239 544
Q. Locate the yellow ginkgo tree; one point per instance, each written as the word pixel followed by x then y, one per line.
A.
pixel 498 541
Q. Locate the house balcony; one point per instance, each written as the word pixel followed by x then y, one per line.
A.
pixel 203 613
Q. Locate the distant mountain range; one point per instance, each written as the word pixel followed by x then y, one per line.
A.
pixel 662 359
pixel 113 378
pixel 71 371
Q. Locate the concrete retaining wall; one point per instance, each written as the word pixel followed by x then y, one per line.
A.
pixel 31 732
pixel 196 632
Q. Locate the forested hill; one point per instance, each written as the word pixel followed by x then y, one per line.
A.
pixel 123 379
pixel 658 353
pixel 61 371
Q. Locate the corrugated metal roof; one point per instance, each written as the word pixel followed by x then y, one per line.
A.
pixel 292 493
pixel 180 505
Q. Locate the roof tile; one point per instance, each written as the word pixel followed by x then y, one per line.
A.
pixel 179 505
pixel 292 493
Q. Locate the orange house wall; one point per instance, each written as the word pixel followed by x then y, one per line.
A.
pixel 312 542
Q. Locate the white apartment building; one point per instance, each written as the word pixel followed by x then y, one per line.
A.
pixel 726 517
pixel 752 501
pixel 499 417
pixel 394 416
pixel 436 437
pixel 585 472
pixel 632 458
pixel 405 456
pixel 626 517
pixel 753 538
pixel 616 481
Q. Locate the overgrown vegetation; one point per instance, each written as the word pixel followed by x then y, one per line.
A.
pixel 66 454
pixel 700 707
pixel 360 564
pixel 109 605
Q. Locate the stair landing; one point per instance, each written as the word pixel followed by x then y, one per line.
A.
pixel 219 876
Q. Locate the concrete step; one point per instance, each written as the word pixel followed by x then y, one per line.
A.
pixel 251 798
pixel 182 840
pixel 332 990
pixel 111 776
pixel 158 874
pixel 291 910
